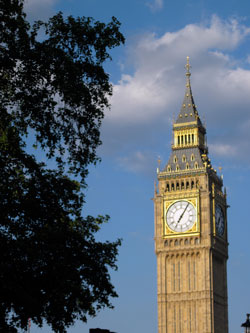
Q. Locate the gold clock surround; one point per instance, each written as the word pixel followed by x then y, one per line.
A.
pixel 194 231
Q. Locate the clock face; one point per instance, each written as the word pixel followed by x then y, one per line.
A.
pixel 219 220
pixel 181 216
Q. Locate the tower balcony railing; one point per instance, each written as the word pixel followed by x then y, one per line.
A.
pixel 189 145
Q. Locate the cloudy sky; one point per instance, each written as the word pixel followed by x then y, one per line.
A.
pixel 148 76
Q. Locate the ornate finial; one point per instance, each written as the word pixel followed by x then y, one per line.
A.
pixel 159 161
pixel 188 67
pixel 159 164
pixel 221 175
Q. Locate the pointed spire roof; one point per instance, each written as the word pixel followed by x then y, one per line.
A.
pixel 188 112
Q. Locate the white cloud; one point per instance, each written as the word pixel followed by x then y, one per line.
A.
pixel 223 150
pixel 155 86
pixel 139 162
pixel 155 5
pixel 143 102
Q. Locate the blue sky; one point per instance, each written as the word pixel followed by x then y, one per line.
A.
pixel 149 81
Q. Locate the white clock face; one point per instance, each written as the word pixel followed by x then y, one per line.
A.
pixel 219 220
pixel 181 216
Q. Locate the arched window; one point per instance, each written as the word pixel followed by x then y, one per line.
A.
pixel 182 139
pixel 167 187
pixel 192 157
pixel 196 165
pixel 177 168
pixel 192 184
pixel 184 158
pixel 187 185
pixel 177 186
pixel 189 274
pixel 169 168
pixel 192 138
pixel 172 186
pixel 187 166
pixel 182 185
pixel 175 159
pixel 173 285
pixel 188 138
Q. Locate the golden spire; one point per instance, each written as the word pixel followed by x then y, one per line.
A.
pixel 188 68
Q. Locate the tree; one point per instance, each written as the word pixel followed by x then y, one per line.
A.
pixel 53 91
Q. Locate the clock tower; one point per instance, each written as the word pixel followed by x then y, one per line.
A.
pixel 191 232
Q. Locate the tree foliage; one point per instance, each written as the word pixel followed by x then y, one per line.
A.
pixel 55 90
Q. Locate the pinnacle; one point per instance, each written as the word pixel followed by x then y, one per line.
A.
pixel 188 112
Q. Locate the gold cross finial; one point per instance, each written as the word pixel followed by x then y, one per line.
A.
pixel 188 67
pixel 159 161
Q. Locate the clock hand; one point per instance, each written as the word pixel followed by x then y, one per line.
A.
pixel 183 213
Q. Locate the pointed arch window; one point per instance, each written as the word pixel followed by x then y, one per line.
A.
pixel 187 166
pixel 192 157
pixel 177 168
pixel 189 275
pixel 184 158
pixel 194 276
pixel 173 277
pixel 175 159
pixel 179 276
pixel 196 165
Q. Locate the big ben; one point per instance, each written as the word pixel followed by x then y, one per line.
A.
pixel 191 232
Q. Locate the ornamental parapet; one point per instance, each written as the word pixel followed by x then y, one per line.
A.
pixel 175 174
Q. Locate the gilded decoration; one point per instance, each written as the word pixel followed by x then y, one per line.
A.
pixel 167 231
